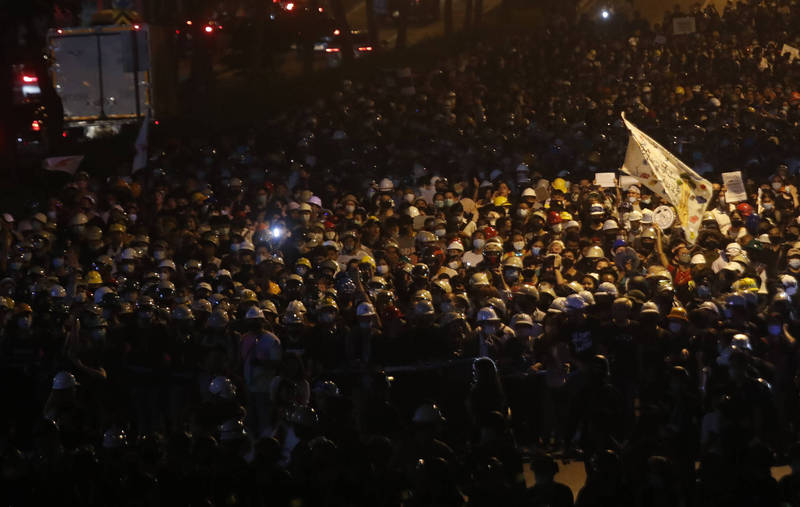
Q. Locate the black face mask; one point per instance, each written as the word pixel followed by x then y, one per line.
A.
pixel 567 263
pixel 712 245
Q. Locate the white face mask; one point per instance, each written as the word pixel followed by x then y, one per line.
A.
pixel 794 263
pixel 382 269
pixel 518 245
pixel 632 198
pixel 522 212
pixel 440 232
pixel 478 243
pixel 409 198
pixel 777 185
pixel 453 264
pixel 350 208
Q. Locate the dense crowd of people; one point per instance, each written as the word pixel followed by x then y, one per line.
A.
pixel 412 292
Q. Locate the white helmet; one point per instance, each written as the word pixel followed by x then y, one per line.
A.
pixel 57 291
pixel 428 413
pixel 100 292
pixel 412 211
pixel 385 185
pixel 64 380
pixel 789 284
pixel 365 310
pixel 129 254
pixel 487 314
pixel 479 279
pixel 246 246
pixel 167 263
pixel 295 312
pixel 231 430
pixel 254 312
pixel 223 387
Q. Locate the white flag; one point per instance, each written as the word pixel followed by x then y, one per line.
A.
pixel 665 175
pixel 140 160
pixel 68 164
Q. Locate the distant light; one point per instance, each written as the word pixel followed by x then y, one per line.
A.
pixel 365 48
pixel 30 79
pixel 35 126
pixel 177 32
pixel 136 27
pixel 605 14
pixel 331 50
pixel 63 133
pixel 336 32
pixel 219 27
pixel 189 22
pixel 289 6
pixel 208 29
pixel 156 122
pixel 320 9
pixel 59 31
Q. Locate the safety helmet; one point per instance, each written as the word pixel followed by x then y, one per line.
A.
pixel 487 314
pixel 328 302
pixel 248 296
pixel 789 284
pixel 423 308
pixel 423 295
pixel 679 313
pixel 231 430
pixel 526 289
pixel 365 309
pixel 79 219
pixel 128 254
pixel 648 233
pixel 100 293
pixel 559 184
pixel 593 252
pixel 610 225
pixel 368 260
pixel 182 313
pixel 167 264
pixel 201 306
pixel 428 413
pixel 57 291
pixel 295 312
pixel 513 262
pixel 223 387
pixel 254 313
pixel 269 307
pixel 64 380
pixel 385 185
pixel 93 278
pixel 500 201
pixel 420 271
pixel 442 284
pixel 479 279
pixel 218 319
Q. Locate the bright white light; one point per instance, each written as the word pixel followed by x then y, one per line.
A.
pixel 277 232
pixel 289 6
pixel 605 14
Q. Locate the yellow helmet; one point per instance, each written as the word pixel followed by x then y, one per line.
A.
pixel 302 261
pixel 566 216
pixel 560 184
pixel 501 201
pixel 747 284
pixel 94 278
pixel 679 90
pixel 367 260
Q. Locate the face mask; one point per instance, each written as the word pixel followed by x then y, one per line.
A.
pixel 522 212
pixel 349 208
pixel 300 270
pixel 159 255
pixel 768 206
pixel 675 327
pixel 440 232
pixel 449 202
pixel 409 198
pixel 632 199
pixel 438 204
pixel 535 250
pixel 382 269
pixel 646 201
pixel 454 264
pixel 327 317
pixel 261 200
pixel 794 263
pixel 518 245
pixel 777 185
pixel 567 263
pixel 684 258
pixel 132 217
pixel 478 243
pixel 774 329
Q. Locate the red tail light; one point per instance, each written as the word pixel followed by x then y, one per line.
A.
pixel 365 48
pixel 30 79
pixel 331 50
pixel 208 29
pixel 35 126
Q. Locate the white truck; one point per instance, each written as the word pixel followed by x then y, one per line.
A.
pixel 102 75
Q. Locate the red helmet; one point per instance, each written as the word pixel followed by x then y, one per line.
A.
pixel 489 232
pixel 554 217
pixel 745 209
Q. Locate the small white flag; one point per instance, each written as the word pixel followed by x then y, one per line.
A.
pixel 140 159
pixel 67 164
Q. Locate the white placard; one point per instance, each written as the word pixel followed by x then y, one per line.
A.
pixel 605 180
pixel 734 187
pixel 626 182
pixel 682 26
pixel 663 217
